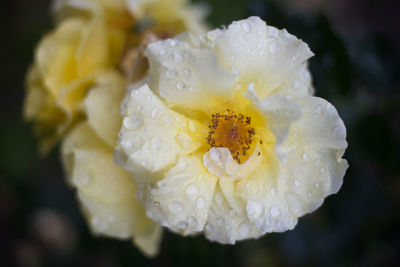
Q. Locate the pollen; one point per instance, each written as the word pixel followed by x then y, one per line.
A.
pixel 233 131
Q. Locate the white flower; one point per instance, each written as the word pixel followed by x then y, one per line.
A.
pixel 224 136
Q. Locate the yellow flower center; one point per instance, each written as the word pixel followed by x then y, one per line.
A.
pixel 233 131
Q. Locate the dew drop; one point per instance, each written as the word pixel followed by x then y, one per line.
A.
pixel 209 227
pixel 246 27
pixel 154 113
pixel 273 47
pixel 166 120
pixel 180 85
pixel 220 221
pixel 177 57
pixel 133 122
pixel 297 183
pixel 200 203
pixel 187 71
pixel 156 144
pixel 171 73
pixel 232 213
pixel 192 190
pixel 183 140
pixel 305 157
pixel 163 51
pixel 182 225
pixel 244 229
pixel 273 191
pixel 192 221
pixel 215 155
pixel 128 144
pixel 254 209
pixel 175 207
pixel 275 212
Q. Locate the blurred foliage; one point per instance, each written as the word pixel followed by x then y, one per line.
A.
pixel 359 74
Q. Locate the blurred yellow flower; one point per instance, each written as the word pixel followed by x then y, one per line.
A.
pixel 66 62
pixel 91 36
pixel 74 90
pixel 106 192
pixel 224 136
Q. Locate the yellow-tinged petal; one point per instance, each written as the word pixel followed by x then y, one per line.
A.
pixel 102 106
pixel 187 76
pixel 152 135
pixel 106 192
pixel 259 53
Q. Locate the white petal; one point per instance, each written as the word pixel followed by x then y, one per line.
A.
pixel 320 124
pixel 260 52
pixel 187 76
pixel 219 161
pixel 181 199
pixel 152 135
pixel 300 84
pixel 279 113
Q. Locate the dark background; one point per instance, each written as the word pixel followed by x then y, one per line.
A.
pixel 356 68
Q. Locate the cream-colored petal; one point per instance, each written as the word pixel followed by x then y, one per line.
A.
pixel 279 112
pixel 106 192
pixel 102 106
pixel 153 136
pixel 180 200
pixel 219 161
pixel 150 243
pixel 320 124
pixel 259 52
pixel 227 221
pixel 187 76
pixel 299 85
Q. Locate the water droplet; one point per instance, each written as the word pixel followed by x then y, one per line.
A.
pixel 180 85
pixel 297 183
pixel 192 190
pixel 309 194
pixel 154 113
pixel 248 50
pixel 244 229
pixel 163 51
pixel 182 225
pixel 183 140
pixel 166 120
pixel 246 27
pixel 254 209
pixel 316 185
pixel 273 47
pixel 173 42
pixel 177 57
pixel 156 144
pixel 305 157
pixel 220 221
pixel 192 221
pixel 191 126
pixel 187 71
pixel 273 32
pixel 215 155
pixel 273 191
pixel 200 203
pixel 296 84
pixel 171 73
pixel 175 207
pixel 128 144
pixel 275 212
pixel 294 58
pixel 133 122
pixel 209 227
pixel 323 170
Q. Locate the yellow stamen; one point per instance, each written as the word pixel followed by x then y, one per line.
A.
pixel 232 131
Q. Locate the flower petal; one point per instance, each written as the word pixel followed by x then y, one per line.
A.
pixel 180 200
pixel 259 52
pixel 106 192
pixel 102 106
pixel 152 135
pixel 187 76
